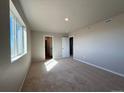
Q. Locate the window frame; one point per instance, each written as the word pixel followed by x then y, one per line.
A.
pixel 17 19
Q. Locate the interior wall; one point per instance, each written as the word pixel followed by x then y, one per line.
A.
pixel 11 74
pixel 38 45
pixel 102 44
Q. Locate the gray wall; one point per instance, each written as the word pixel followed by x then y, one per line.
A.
pixel 38 45
pixel 11 74
pixel 102 44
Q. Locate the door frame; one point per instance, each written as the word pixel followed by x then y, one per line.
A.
pixel 44 36
pixel 73 45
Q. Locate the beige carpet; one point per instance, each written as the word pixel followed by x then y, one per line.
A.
pixel 69 75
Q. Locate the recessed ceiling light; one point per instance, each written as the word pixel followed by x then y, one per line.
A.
pixel 66 19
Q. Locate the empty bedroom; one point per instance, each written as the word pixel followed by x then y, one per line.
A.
pixel 61 45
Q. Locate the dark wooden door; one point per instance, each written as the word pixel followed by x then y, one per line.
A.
pixel 48 47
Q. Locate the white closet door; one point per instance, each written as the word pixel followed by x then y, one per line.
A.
pixel 65 47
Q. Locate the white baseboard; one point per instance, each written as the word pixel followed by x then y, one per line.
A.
pixel 57 57
pixel 119 74
pixel 20 88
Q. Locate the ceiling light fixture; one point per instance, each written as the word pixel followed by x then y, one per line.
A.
pixel 66 19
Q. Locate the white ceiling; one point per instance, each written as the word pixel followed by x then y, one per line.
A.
pixel 49 15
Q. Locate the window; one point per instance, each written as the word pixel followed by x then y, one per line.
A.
pixel 18 35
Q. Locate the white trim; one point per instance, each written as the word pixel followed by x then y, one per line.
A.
pixel 17 57
pixel 17 18
pixel 14 10
pixel 116 73
pixel 20 88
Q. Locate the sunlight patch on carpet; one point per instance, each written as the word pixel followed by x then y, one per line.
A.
pixel 50 64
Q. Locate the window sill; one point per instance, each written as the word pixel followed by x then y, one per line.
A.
pixel 18 57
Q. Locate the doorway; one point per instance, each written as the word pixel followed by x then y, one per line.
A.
pixel 48 48
pixel 71 46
